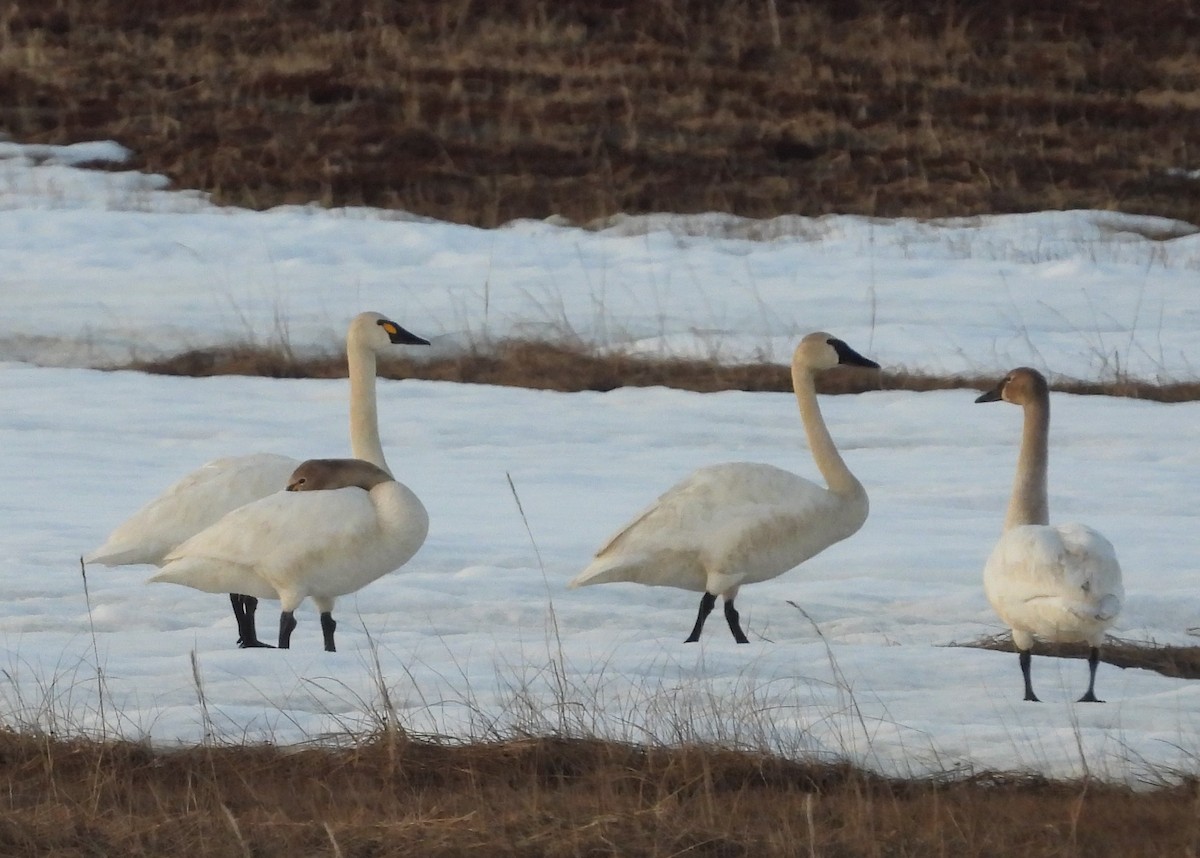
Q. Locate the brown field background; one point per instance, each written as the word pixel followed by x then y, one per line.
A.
pixel 480 112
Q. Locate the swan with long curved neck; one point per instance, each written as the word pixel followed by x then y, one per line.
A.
pixel 1053 582
pixel 200 498
pixel 341 524
pixel 743 522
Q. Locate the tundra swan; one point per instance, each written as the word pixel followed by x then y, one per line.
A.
pixel 201 497
pixel 1053 582
pixel 341 524
pixel 741 522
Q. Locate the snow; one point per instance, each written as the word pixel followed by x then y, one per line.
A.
pixel 478 635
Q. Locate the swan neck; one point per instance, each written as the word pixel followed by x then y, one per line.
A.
pixel 364 415
pixel 1029 503
pixel 829 461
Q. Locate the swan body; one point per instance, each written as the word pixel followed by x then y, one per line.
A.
pixel 318 540
pixel 1047 582
pixel 202 497
pixel 742 522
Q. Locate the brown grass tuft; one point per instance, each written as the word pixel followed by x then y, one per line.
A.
pixel 553 366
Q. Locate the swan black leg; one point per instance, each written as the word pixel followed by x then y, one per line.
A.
pixel 1093 662
pixel 1025 658
pixel 243 612
pixel 328 624
pixel 735 626
pixel 706 605
pixel 287 624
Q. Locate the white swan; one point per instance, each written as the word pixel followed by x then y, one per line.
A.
pixel 738 523
pixel 341 524
pixel 200 498
pixel 1057 583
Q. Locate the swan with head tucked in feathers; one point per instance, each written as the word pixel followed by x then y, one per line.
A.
pixel 739 523
pixel 341 524
pixel 1050 582
pixel 201 497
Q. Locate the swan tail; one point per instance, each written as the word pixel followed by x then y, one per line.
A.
pixel 605 570
pixel 211 577
pixel 115 555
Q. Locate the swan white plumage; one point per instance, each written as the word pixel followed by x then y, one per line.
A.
pixel 341 524
pixel 1050 582
pixel 738 523
pixel 201 497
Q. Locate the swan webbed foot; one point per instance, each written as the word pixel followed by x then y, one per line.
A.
pixel 706 605
pixel 734 620
pixel 1090 697
pixel 253 643
pixel 328 624
pixel 287 624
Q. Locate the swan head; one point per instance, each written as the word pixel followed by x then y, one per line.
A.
pixel 1021 386
pixel 378 332
pixel 820 350
pixel 321 474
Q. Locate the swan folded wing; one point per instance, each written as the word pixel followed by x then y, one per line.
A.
pixel 752 519
pixel 284 531
pixel 191 504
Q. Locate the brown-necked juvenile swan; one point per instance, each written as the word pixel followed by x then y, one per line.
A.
pixel 200 498
pixel 1056 583
pixel 742 522
pixel 341 524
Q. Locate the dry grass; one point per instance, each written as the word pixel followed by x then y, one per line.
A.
pixel 556 366
pixel 547 797
pixel 483 112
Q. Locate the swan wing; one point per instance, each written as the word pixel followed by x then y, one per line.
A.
pixel 191 504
